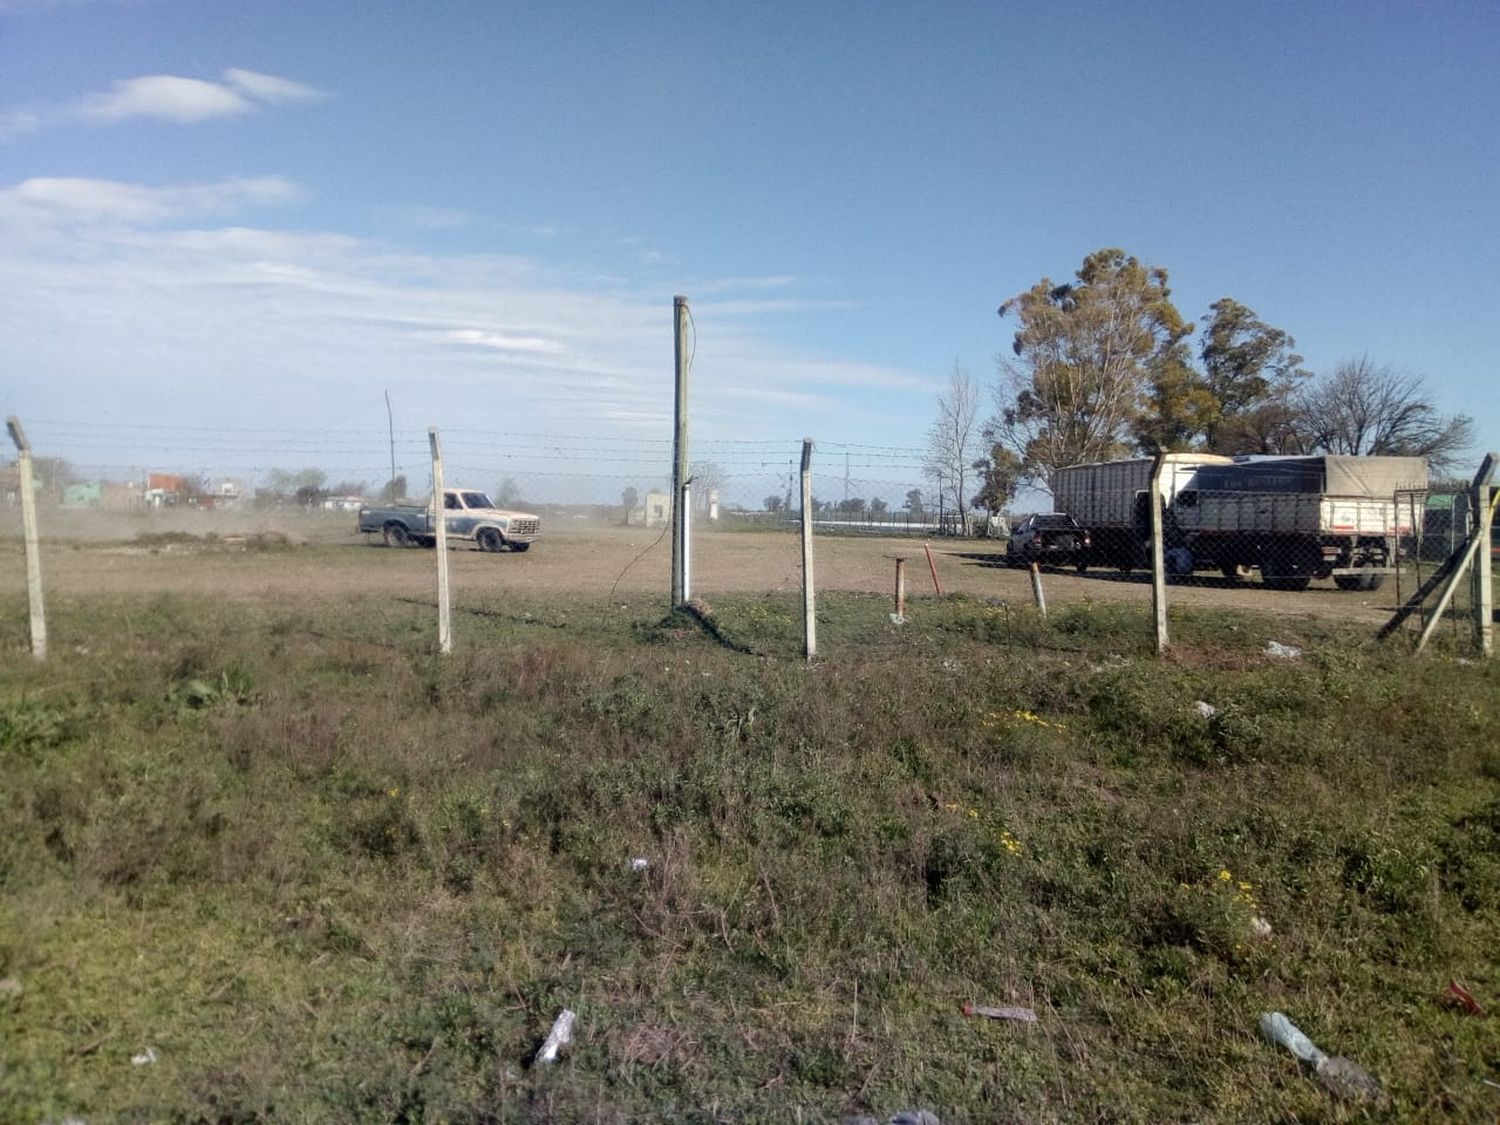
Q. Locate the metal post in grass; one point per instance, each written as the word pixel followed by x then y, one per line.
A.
pixel 899 617
pixel 1484 575
pixel 687 540
pixel 1036 589
pixel 1474 553
pixel 1158 556
pixel 680 317
pixel 440 538
pixel 33 546
pixel 809 622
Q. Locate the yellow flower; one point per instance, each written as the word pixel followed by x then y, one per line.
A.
pixel 396 792
pixel 1224 875
pixel 973 814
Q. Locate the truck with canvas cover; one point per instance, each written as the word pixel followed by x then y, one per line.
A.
pixel 1296 518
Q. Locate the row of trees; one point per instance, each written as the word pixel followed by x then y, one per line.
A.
pixel 1102 367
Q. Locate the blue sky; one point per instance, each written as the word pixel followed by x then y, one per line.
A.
pixel 256 217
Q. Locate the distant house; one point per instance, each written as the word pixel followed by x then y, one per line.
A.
pixel 228 492
pixel 164 490
pixel 343 503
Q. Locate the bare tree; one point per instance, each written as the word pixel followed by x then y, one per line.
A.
pixel 1365 409
pixel 706 478
pixel 953 438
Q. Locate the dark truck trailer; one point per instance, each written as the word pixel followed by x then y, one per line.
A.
pixel 1108 500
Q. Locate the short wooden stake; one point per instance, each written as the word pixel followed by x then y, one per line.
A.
pixel 900 615
pixel 932 566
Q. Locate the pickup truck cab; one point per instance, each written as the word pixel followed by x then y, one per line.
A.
pixel 467 514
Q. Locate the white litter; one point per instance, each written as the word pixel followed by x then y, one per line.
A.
pixel 1207 710
pixel 639 863
pixel 1260 927
pixel 145 1058
pixel 1340 1076
pixel 1281 651
pixel 558 1038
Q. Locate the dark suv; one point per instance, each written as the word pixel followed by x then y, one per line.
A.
pixel 1048 538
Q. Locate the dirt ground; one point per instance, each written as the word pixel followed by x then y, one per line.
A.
pixel 88 557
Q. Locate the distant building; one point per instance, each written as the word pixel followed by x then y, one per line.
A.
pixel 657 509
pixel 164 490
pixel 88 494
pixel 122 496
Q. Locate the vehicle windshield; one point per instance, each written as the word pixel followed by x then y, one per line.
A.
pixel 477 500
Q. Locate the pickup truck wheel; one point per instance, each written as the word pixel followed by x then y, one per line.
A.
pixel 396 535
pixel 520 547
pixel 489 539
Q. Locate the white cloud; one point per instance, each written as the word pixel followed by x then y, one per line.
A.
pixel 63 199
pixel 269 89
pixel 14 122
pixel 164 97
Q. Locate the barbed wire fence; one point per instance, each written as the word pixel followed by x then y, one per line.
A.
pixel 1271 544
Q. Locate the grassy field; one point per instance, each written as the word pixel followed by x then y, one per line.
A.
pixel 324 874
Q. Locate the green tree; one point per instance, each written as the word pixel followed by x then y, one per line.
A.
pixel 773 504
pixel 508 495
pixel 999 476
pixel 1087 355
pixel 1252 372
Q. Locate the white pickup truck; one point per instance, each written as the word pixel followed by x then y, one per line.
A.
pixel 468 515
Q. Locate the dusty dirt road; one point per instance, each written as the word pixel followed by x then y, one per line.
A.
pixel 590 561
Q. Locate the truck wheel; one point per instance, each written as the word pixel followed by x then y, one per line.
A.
pixel 489 539
pixel 1365 582
pixel 396 535
pixel 522 547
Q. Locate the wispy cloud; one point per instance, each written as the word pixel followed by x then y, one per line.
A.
pixel 101 289
pixel 269 89
pixel 77 200
pixel 164 97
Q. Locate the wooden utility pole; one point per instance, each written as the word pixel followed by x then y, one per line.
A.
pixel 809 619
pixel 33 546
pixel 440 536
pixel 680 315
pixel 1158 556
